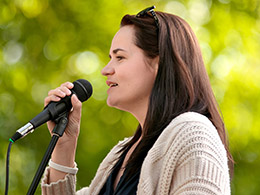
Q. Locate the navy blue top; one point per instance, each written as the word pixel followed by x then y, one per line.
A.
pixel 124 187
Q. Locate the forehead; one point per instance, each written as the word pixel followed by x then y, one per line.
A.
pixel 124 38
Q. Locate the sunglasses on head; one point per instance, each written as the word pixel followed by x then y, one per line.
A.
pixel 150 12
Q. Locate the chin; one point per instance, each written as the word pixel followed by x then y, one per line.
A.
pixel 111 103
pixel 115 104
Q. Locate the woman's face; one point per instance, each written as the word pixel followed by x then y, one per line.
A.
pixel 130 74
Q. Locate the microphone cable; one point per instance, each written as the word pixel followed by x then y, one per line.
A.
pixel 7 166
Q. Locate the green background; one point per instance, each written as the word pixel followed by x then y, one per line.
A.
pixel 44 43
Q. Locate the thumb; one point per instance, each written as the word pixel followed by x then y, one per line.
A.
pixel 77 105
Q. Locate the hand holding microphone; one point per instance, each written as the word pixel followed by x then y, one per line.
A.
pixel 73 127
pixel 64 152
pixel 59 102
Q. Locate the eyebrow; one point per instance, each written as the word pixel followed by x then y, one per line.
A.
pixel 117 50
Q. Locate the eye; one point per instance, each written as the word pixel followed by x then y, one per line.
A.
pixel 119 58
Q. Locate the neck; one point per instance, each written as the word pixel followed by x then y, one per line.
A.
pixel 139 111
pixel 140 117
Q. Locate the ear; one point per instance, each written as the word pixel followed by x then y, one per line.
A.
pixel 155 63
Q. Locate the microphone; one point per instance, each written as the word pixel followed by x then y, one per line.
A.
pixel 82 89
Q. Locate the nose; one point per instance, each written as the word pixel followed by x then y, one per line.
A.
pixel 108 70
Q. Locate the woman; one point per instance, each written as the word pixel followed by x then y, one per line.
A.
pixel 156 73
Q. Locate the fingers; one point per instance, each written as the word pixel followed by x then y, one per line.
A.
pixel 68 84
pixel 51 98
pixel 58 93
pixel 63 90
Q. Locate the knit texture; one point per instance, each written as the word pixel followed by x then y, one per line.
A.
pixel 187 158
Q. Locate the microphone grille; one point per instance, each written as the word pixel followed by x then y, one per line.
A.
pixel 83 89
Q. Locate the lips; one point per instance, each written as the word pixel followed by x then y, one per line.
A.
pixel 111 84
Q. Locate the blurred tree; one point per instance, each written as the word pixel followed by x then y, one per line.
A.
pixel 44 43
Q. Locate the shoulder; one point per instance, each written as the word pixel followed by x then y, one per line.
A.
pixel 188 136
pixel 191 118
pixel 197 147
pixel 188 149
pixel 188 125
pixel 192 132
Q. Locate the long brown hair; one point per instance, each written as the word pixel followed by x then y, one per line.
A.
pixel 181 85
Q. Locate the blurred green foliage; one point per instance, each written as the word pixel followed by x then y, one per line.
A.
pixel 44 43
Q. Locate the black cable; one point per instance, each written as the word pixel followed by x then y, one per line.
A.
pixel 7 167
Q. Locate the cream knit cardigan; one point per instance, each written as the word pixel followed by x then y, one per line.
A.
pixel 187 158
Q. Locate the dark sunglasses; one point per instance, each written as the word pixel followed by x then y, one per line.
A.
pixel 150 12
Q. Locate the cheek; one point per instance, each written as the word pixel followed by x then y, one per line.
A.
pixel 145 77
pixel 143 84
pixel 136 76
